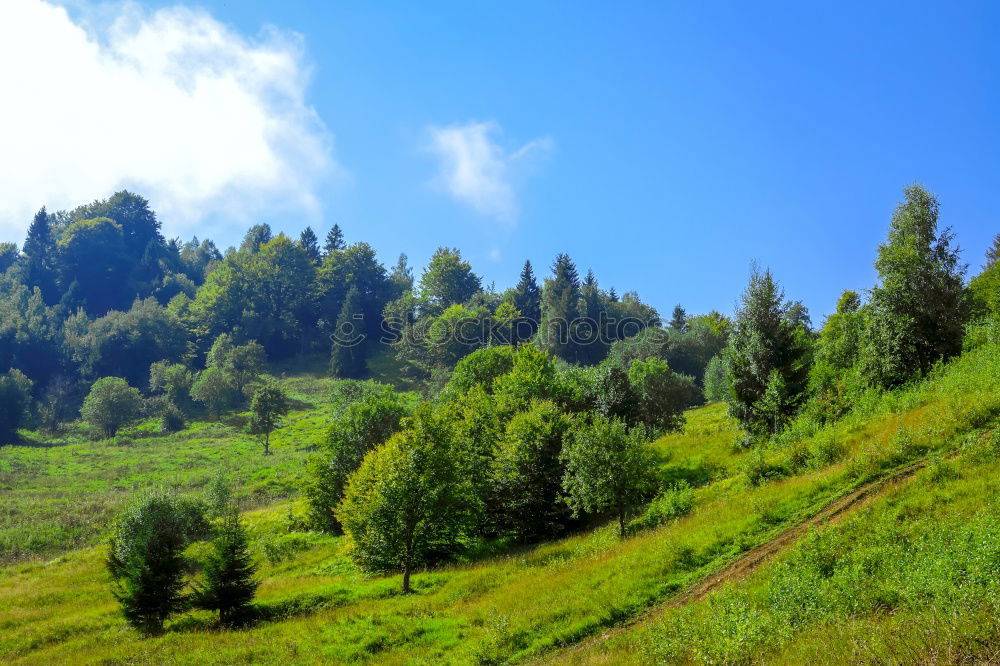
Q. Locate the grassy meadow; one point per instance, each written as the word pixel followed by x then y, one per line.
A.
pixel 912 571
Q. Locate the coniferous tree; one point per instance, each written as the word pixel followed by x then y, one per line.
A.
pixel 560 308
pixel 347 353
pixel 766 359
pixel 402 274
pixel 917 311
pixel 230 585
pixel 146 561
pixel 334 240
pixel 309 243
pixel 592 340
pixel 39 256
pixel 993 254
pixel 678 321
pixel 528 301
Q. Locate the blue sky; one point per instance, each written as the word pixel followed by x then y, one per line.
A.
pixel 664 145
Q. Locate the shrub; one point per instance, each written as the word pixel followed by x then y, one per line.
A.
pixel 15 395
pixel 172 419
pixel 758 469
pixel 674 502
pixel 111 404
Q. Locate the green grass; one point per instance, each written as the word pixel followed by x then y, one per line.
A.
pixel 318 607
pixel 62 492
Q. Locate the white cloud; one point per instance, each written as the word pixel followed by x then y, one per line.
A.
pixel 172 104
pixel 477 171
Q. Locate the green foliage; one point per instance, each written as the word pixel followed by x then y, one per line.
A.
pixel 15 396
pixel 172 419
pixel 984 293
pixel 528 471
pixel 615 396
pixel 347 355
pixel 267 408
pixel 527 298
pixel 917 311
pixel 172 380
pixel 673 503
pixel 607 468
pixel 767 359
pixel 410 503
pixel 145 559
pixel 716 381
pixel 229 585
pixel 448 280
pixel 662 395
pixel 481 368
pixel 360 427
pixel 111 404
pixel 560 308
pixel 214 390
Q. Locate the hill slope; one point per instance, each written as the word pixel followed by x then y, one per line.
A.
pixel 317 607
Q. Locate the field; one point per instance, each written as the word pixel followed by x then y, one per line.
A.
pixel 912 569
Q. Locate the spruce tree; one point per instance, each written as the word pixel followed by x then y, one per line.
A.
pixel 917 311
pixel 528 301
pixel 678 321
pixel 767 359
pixel 347 353
pixel 334 240
pixel 146 561
pixel 593 345
pixel 310 244
pixel 560 308
pixel 40 256
pixel 230 585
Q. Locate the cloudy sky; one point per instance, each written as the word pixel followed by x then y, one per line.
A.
pixel 665 145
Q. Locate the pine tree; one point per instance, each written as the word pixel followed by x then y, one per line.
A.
pixel 310 244
pixel 347 354
pixel 528 301
pixel 40 256
pixel 230 585
pixel 560 308
pixel 678 321
pixel 334 240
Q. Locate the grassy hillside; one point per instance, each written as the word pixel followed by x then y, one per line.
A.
pixel 316 606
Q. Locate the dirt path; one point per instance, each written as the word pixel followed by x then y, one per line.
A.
pixel 749 561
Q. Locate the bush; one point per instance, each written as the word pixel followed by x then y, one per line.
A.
pixel 15 395
pixel 111 404
pixel 674 502
pixel 758 469
pixel 172 419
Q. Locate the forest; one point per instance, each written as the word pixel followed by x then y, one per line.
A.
pixel 408 429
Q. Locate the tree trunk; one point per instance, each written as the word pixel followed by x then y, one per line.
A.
pixel 267 445
pixel 406 577
pixel 621 523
